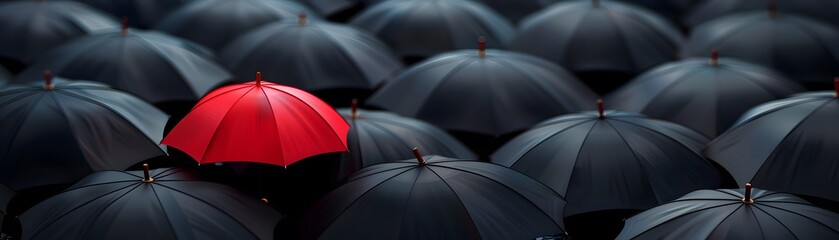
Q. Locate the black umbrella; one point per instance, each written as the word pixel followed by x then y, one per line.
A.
pixel 313 55
pixel 159 204
pixel 378 136
pixel 214 23
pixel 490 92
pixel 734 214
pixel 29 28
pixel 706 95
pixel 710 9
pixel 59 132
pixel 418 29
pixel 607 36
pixel 6 195
pixel 155 66
pixel 437 198
pixel 803 49
pixel 611 161
pixel 143 13
pixel 512 10
pixel 672 9
pixel 788 145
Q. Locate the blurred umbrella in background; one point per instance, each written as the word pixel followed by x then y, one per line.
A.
pixel 155 66
pixel 59 132
pixel 705 95
pixel 436 198
pixel 610 161
pixel 313 56
pixel 734 214
pixel 159 204
pixel 30 28
pixel 214 23
pixel 672 9
pixel 143 13
pixel 417 29
pixel 788 145
pixel 259 122
pixel 708 10
pixel 512 10
pixel 599 37
pixel 802 49
pixel 507 92
pixel 378 137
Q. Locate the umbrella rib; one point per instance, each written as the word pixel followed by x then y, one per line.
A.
pixel 686 214
pixel 213 206
pixel 727 216
pixel 508 187
pixel 213 136
pixel 374 173
pixel 637 160
pixel 160 55
pixel 623 37
pixel 274 117
pixel 343 52
pixel 223 92
pixel 534 79
pixel 166 171
pixel 582 121
pixel 332 221
pixel 777 147
pixel 26 115
pixel 410 193
pixel 314 110
pixel 682 144
pixel 165 215
pixel 757 206
pixel 458 197
pixel 796 102
pixel 669 86
pixel 804 216
pixel 750 80
pixel 443 80
pixel 54 220
pixel 63 112
pixel 106 106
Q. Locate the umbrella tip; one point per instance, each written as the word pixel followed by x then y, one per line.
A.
pixel 747 196
pixel 301 18
pixel 354 108
pixel 264 201
pixel 418 155
pixel 48 80
pixel 482 46
pixel 146 177
pixel 715 56
pixel 836 87
pixel 258 79
pixel 124 23
pixel 600 108
pixel 772 10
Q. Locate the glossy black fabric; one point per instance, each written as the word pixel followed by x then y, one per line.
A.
pixel 141 13
pixel 707 98
pixel 623 161
pixel 708 10
pixel 119 205
pixel 30 28
pixel 802 49
pixel 214 23
pixel 443 199
pixel 788 145
pixel 155 66
pixel 423 28
pixel 500 93
pixel 61 135
pixel 613 36
pixel 721 214
pixel 377 137
pixel 315 56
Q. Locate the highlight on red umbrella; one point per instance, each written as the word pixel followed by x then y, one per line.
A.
pixel 260 122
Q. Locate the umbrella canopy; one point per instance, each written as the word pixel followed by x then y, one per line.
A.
pixel 787 145
pixel 6 195
pixel 706 95
pixel 648 161
pixel 803 49
pixel 437 198
pixel 312 56
pixel 155 66
pixel 260 122
pixel 32 27
pixel 378 137
pixel 159 204
pixel 422 28
pixel 59 132
pixel 508 91
pixel 143 13
pixel 707 10
pixel 214 23
pixel 599 36
pixel 512 10
pixel 734 214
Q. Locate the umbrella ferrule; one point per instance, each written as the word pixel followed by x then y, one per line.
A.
pixel 600 108
pixel 747 196
pixel 418 155
pixel 772 10
pixel 258 79
pixel 124 24
pixel 482 46
pixel 146 177
pixel 48 80
pixel 301 18
pixel 715 58
pixel 354 109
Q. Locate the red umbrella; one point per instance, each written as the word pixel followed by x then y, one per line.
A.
pixel 259 122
